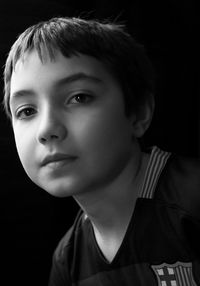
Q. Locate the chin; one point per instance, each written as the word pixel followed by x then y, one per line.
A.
pixel 59 190
pixel 58 194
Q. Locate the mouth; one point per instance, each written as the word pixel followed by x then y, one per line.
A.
pixel 57 160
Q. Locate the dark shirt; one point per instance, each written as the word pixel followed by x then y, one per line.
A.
pixel 162 242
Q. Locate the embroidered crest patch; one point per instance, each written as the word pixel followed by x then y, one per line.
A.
pixel 176 274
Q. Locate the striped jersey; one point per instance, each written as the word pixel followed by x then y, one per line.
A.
pixel 162 243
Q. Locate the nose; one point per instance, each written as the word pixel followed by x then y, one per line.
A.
pixel 51 127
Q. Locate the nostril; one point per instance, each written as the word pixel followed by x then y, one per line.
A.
pixel 48 138
pixel 54 136
pixel 43 140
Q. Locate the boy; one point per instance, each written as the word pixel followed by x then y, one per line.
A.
pixel 80 96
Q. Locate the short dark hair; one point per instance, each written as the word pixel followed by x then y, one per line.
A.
pixel 106 41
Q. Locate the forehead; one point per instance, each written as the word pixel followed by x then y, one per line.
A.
pixel 32 69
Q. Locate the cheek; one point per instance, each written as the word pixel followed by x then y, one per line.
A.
pixel 24 145
pixel 103 134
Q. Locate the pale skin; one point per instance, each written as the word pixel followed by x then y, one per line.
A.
pixel 75 107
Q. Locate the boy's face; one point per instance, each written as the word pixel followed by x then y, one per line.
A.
pixel 69 123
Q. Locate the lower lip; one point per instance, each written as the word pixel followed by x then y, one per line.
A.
pixel 61 163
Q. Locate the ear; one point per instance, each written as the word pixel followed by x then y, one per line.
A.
pixel 142 119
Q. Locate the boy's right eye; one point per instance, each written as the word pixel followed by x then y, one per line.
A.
pixel 25 112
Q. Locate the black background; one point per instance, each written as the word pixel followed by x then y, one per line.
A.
pixel 32 221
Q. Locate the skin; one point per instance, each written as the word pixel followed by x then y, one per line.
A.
pixel 74 106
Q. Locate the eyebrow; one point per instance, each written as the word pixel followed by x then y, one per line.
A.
pixel 21 93
pixel 78 76
pixel 61 82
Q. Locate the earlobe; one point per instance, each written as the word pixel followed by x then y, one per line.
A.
pixel 143 118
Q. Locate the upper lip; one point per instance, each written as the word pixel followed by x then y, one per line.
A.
pixel 56 157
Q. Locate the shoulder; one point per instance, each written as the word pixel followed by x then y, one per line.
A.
pixel 62 259
pixel 179 184
pixel 66 243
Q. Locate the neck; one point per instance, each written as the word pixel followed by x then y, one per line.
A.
pixel 110 208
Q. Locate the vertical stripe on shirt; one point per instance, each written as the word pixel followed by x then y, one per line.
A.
pixel 157 161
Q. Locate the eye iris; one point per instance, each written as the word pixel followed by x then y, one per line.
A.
pixel 80 98
pixel 28 111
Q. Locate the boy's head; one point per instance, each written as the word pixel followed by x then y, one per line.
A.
pixel 67 85
pixel 107 42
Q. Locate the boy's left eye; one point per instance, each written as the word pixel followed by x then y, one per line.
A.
pixel 81 98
